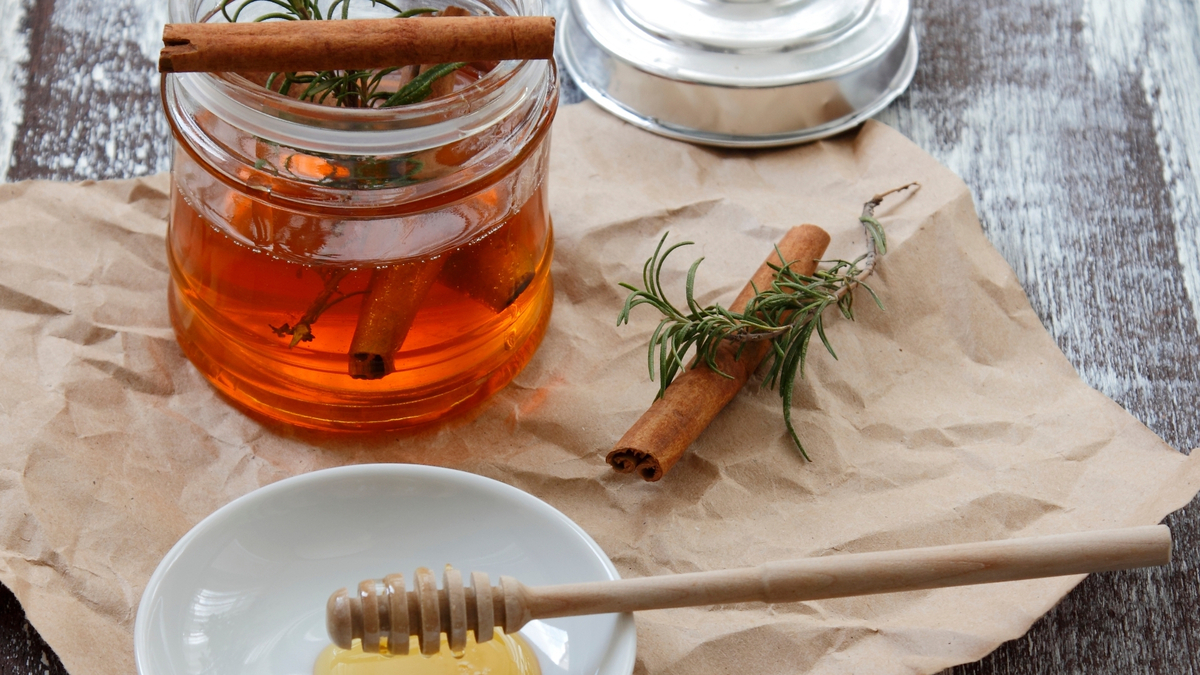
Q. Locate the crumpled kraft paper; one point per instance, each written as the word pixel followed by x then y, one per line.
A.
pixel 950 417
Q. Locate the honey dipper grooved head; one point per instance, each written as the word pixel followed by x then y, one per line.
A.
pixel 338 619
pixel 382 616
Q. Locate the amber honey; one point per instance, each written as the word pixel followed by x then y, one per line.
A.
pixel 474 328
pixel 361 269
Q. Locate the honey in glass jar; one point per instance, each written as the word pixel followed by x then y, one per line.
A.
pixel 361 268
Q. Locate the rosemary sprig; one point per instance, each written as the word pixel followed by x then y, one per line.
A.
pixel 345 88
pixel 787 314
pixel 329 296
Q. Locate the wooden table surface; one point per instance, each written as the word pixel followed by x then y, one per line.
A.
pixel 1076 123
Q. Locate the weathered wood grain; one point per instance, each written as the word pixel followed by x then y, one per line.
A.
pixel 14 54
pixel 91 107
pixel 1074 122
pixel 1075 125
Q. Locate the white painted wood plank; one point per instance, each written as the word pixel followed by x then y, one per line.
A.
pixel 14 55
pixel 1158 44
pixel 130 22
pixel 95 88
pixel 1171 79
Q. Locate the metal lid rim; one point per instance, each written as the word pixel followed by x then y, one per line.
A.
pixel 899 83
pixel 861 62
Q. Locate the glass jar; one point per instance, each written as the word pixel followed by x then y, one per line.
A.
pixel 345 268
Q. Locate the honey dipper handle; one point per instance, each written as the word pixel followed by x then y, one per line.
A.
pixel 862 573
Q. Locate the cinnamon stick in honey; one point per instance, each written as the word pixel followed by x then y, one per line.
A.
pixel 295 46
pixel 659 438
pixel 389 309
pixel 497 269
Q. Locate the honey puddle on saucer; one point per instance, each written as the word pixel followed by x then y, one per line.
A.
pixel 502 655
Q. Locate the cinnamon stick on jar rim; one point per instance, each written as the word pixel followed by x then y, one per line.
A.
pixel 442 86
pixel 663 433
pixel 352 44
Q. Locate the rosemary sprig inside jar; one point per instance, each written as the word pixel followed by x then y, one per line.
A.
pixel 354 88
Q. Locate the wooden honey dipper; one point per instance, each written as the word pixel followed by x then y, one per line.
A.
pixel 384 610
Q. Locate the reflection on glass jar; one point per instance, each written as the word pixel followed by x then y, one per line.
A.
pixel 344 268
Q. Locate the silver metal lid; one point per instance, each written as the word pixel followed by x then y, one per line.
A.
pixel 741 73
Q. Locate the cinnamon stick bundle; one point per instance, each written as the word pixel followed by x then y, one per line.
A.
pixel 296 46
pixel 661 435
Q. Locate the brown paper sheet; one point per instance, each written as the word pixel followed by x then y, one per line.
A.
pixel 950 417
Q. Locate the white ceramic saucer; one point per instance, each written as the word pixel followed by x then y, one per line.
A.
pixel 243 593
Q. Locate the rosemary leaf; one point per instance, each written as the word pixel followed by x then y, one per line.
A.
pixel 418 89
pixel 350 88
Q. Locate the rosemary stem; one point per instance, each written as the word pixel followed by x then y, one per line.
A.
pixel 756 332
pixel 868 215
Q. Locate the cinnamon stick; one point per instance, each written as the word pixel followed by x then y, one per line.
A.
pixel 443 85
pixel 659 438
pixel 389 308
pixel 497 269
pixel 494 271
pixel 395 293
pixel 294 46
